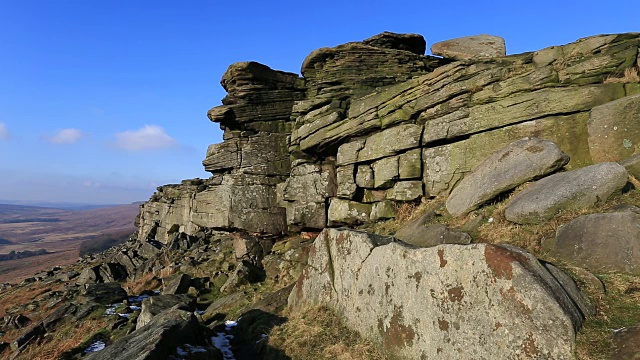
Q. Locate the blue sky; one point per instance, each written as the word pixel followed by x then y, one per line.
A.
pixel 102 101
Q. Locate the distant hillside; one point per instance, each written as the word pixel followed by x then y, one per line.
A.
pixel 60 232
pixel 56 205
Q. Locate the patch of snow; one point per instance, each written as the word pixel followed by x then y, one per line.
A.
pixel 617 330
pixel 199 312
pixel 95 347
pixel 135 308
pixel 124 315
pixel 229 324
pixel 111 310
pixel 222 341
pixel 490 220
pixel 137 299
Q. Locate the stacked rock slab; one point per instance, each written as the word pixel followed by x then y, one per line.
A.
pixel 334 76
pixel 247 166
pixel 377 122
pixel 421 136
pixel 478 301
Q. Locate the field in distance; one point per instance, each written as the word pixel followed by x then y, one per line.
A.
pixel 60 232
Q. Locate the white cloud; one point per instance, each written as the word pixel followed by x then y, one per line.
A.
pixel 4 133
pixel 66 136
pixel 149 137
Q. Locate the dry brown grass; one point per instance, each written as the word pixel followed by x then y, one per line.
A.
pixel 148 281
pixel 63 340
pixel 630 75
pixel 21 296
pixel 318 333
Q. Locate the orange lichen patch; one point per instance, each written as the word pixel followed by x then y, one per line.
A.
pixel 499 261
pixel 397 334
pixel 417 276
pixel 535 149
pixel 443 262
pixel 529 347
pixel 511 296
pixel 443 325
pixel 456 294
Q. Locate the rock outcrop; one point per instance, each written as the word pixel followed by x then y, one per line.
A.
pixel 475 301
pixel 371 130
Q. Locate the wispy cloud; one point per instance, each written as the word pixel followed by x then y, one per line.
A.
pixel 65 136
pixel 149 137
pixel 4 133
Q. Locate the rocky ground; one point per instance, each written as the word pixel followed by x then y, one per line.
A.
pixel 472 205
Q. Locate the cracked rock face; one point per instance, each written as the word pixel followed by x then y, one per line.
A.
pixel 477 301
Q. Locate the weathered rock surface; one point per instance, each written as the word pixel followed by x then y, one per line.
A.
pixel 467 47
pixel 632 165
pixel 517 163
pixel 572 189
pixel 155 305
pixel 448 301
pixel 158 339
pixel 614 132
pixel 431 235
pixel 414 43
pixel 626 343
pixel 105 293
pixel 601 242
pixel 176 284
pixel 345 212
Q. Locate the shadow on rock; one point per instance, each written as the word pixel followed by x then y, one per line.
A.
pixel 249 340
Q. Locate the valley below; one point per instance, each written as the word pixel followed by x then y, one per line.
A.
pixel 58 231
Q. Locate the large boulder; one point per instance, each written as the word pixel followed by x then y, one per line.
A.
pixel 449 301
pixel 105 293
pixel 414 43
pixel 614 129
pixel 155 305
pixel 572 189
pixel 470 47
pixel 515 164
pixel 600 242
pixel 156 340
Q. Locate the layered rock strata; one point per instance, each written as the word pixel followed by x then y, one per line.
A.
pixel 375 123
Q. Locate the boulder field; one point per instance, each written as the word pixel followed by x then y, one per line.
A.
pixel 370 127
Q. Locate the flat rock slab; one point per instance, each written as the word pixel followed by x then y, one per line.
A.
pixel 478 301
pixel 601 242
pixel 614 129
pixel 470 47
pixel 579 188
pixel 515 164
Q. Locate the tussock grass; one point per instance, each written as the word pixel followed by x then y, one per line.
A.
pixel 148 281
pixel 60 343
pixel 619 307
pixel 630 75
pixel 318 333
